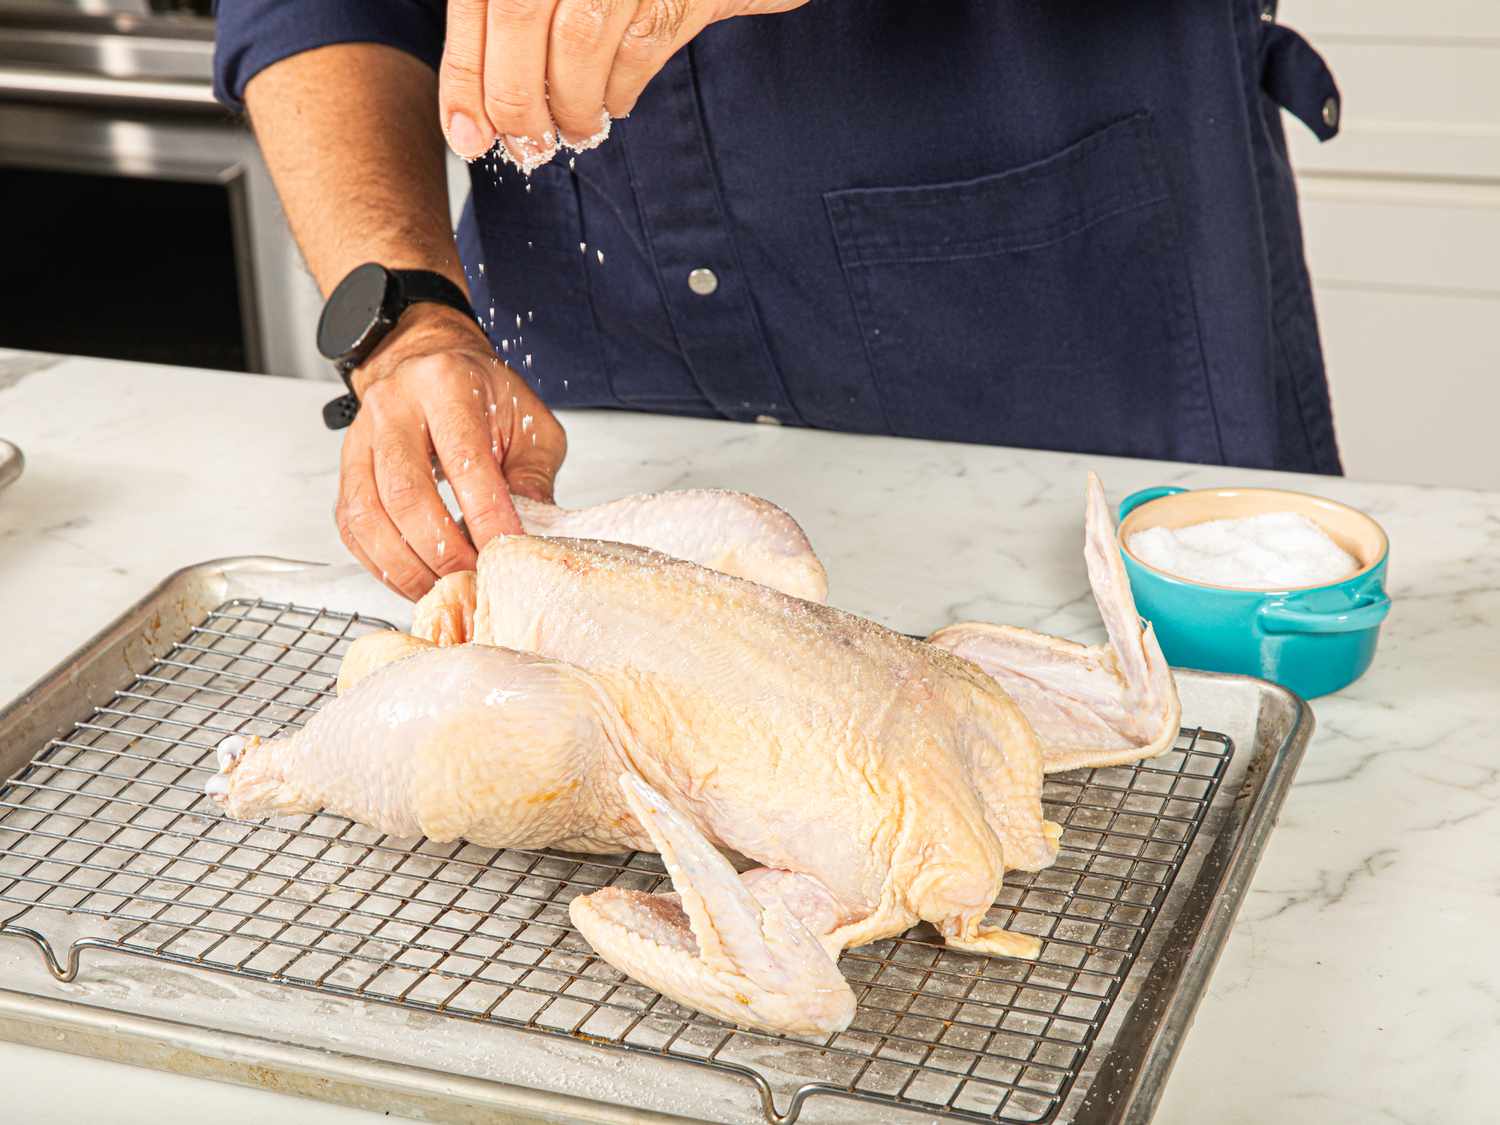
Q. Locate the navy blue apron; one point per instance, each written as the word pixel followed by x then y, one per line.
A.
pixel 1068 225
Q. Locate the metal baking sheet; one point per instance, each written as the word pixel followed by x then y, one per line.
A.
pixel 315 956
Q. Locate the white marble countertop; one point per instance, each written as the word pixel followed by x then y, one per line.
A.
pixel 1362 980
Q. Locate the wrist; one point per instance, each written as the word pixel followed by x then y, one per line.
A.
pixel 424 328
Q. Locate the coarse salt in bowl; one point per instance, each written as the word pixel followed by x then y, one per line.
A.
pixel 1220 575
pixel 1269 551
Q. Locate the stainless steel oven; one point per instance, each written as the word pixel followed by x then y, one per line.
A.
pixel 137 220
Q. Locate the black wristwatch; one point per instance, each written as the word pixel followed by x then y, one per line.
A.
pixel 362 310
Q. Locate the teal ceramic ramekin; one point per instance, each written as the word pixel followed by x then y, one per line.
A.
pixel 1311 639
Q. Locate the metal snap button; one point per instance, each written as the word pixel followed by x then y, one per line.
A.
pixel 703 281
pixel 1331 112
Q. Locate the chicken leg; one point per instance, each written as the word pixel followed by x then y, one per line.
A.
pixel 506 749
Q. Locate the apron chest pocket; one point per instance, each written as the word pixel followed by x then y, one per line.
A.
pixel 1047 306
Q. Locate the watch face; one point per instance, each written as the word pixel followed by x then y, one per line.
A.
pixel 354 310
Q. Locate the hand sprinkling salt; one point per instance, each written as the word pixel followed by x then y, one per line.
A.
pixel 1271 551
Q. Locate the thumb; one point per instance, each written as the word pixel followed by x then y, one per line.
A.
pixel 530 470
pixel 535 450
pixel 532 483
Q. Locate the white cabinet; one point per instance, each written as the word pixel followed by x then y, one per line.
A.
pixel 1402 220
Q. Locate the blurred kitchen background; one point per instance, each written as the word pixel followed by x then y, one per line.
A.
pixel 121 178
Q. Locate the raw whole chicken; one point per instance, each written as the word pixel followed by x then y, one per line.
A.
pixel 600 697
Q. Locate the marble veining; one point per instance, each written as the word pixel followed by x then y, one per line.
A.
pixel 1362 980
pixel 15 366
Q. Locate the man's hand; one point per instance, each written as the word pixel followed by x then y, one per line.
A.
pixel 536 72
pixel 435 388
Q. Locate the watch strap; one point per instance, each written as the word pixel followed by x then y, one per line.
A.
pixel 424 285
pixel 415 287
pixel 340 412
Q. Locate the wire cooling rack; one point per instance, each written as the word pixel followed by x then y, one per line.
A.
pixel 111 822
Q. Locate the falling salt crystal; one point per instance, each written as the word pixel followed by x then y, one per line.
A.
pixel 601 256
pixel 528 187
pixel 572 163
pixel 518 321
pixel 528 359
pixel 565 384
pixel 530 315
pixel 528 244
pixel 525 423
pixel 505 345
pixel 583 247
pixel 481 269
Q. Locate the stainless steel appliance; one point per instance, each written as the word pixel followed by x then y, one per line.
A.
pixel 139 220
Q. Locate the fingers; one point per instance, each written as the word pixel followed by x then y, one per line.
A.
pixel 586 36
pixel 659 29
pixel 515 76
pixel 468 447
pixel 403 474
pixel 461 81
pixel 364 526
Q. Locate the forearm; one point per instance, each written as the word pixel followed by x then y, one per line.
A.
pixel 350 133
